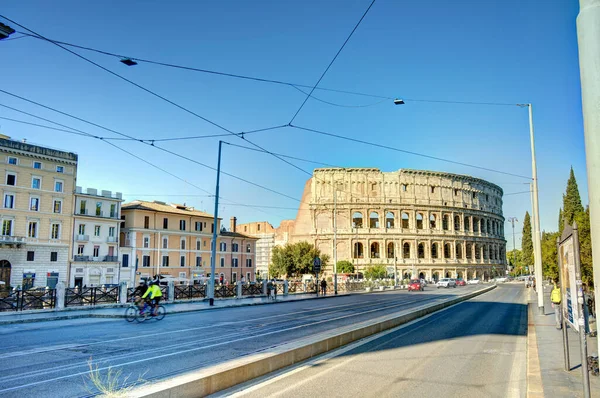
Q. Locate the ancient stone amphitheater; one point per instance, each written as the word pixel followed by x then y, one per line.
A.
pixel 417 223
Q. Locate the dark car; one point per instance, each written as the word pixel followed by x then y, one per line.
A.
pixel 461 282
pixel 415 284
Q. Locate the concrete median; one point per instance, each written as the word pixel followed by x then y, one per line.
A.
pixel 219 377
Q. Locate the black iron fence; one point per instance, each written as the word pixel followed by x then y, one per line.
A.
pixel 190 292
pixel 19 300
pixel 91 296
pixel 223 291
pixel 252 289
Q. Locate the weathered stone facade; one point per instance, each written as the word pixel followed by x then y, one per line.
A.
pixel 421 223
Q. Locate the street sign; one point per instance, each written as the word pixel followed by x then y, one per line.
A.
pixel 317 265
pixel 569 282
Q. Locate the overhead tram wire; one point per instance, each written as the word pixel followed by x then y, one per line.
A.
pixel 340 105
pixel 331 63
pixel 284 156
pixel 239 135
pixel 151 145
pixel 407 152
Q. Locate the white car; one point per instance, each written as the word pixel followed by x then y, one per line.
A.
pixel 473 282
pixel 446 282
pixel 501 280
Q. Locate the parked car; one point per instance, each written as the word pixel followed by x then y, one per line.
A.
pixel 501 280
pixel 415 284
pixel 446 282
pixel 460 282
pixel 473 282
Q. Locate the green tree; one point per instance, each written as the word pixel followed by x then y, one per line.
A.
pixel 527 241
pixel 561 223
pixel 345 267
pixel 295 259
pixel 375 272
pixel 585 246
pixel 550 255
pixel 571 200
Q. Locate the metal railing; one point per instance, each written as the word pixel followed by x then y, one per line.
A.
pixel 81 258
pixel 252 289
pixel 91 296
pixel 190 292
pixel 19 300
pixel 110 259
pixel 225 291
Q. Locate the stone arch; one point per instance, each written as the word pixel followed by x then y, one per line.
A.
pixel 406 250
pixel 435 276
pixel 459 275
pixel 458 251
pixel 457 223
pixel 469 275
pixel 405 220
pixel 421 250
pixel 477 251
pixel 389 219
pixel 489 227
pixel 375 250
pixel 419 220
pixel 475 224
pixel 485 252
pixel 323 221
pixel 422 275
pixel 5 270
pixel 445 222
pixel 434 250
pixel 448 275
pixel 374 220
pixel 358 250
pixel 390 250
pixel 432 221
pixel 447 250
pixel 467 224
pixel 357 220
pixel 406 275
pixel 469 247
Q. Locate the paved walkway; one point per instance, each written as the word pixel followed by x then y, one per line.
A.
pixel 555 380
pixel 118 310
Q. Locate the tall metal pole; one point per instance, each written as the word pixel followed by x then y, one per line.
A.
pixel 581 308
pixel 588 38
pixel 512 221
pixel 537 239
pixel 213 249
pixel 559 307
pixel 335 238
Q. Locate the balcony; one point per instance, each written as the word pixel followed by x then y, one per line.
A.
pixel 82 238
pixel 111 259
pixel 81 258
pixel 82 212
pixel 112 239
pixel 12 240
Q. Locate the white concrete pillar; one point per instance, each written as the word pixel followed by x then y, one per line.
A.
pixel 238 289
pixel 171 291
pixel 59 303
pixel 123 292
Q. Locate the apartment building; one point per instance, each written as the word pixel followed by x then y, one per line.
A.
pixel 36 213
pixel 267 238
pixel 96 258
pixel 167 239
pixel 236 255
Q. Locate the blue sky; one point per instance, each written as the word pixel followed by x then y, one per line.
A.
pixel 493 51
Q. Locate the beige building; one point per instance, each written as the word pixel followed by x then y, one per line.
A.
pixel 267 238
pixel 236 255
pixel 96 258
pixel 36 214
pixel 421 223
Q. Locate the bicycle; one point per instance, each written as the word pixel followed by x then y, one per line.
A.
pixel 147 312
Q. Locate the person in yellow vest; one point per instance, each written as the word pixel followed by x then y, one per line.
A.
pixel 555 298
pixel 155 296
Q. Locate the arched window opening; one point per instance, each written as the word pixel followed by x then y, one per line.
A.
pixel 475 224
pixel 447 250
pixel 374 220
pixel 406 250
pixel 458 251
pixel 485 252
pixel 389 220
pixel 374 250
pixel 390 250
pixel 467 224
pixel 445 222
pixel 469 251
pixel 456 223
pixel 432 221
pixel 358 250
pixel 405 223
pixel 489 227
pixel 357 220
pixel 477 252
pixel 421 250
pixel 419 221
pixel 434 250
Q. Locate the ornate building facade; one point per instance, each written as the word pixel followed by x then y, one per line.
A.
pixel 417 223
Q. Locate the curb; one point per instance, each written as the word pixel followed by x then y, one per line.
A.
pixel 535 388
pixel 220 377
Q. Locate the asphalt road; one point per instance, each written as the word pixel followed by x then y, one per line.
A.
pixel 56 358
pixel 473 349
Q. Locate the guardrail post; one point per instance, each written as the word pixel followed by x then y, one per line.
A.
pixel 285 288
pixel 59 303
pixel 123 292
pixel 264 287
pixel 171 291
pixel 238 286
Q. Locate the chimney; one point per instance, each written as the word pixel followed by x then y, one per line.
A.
pixel 232 224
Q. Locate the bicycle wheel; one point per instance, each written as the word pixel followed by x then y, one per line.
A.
pixel 141 316
pixel 160 313
pixel 131 312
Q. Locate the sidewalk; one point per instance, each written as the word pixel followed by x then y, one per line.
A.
pixel 118 310
pixel 555 380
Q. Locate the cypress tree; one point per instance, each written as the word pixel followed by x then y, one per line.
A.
pixel 561 223
pixel 527 242
pixel 571 200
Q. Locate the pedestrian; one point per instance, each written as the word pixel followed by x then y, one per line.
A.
pixel 274 289
pixel 555 298
pixel 221 279
pixel 323 287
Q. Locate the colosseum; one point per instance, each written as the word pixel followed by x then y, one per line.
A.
pixel 417 223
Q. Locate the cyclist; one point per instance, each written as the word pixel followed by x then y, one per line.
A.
pixel 155 296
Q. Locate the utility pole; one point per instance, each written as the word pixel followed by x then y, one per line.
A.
pixel 335 238
pixel 213 249
pixel 588 38
pixel 512 220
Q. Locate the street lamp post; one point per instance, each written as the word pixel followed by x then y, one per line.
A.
pixel 213 249
pixel 335 290
pixel 512 220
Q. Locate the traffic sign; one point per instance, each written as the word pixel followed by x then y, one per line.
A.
pixel 317 265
